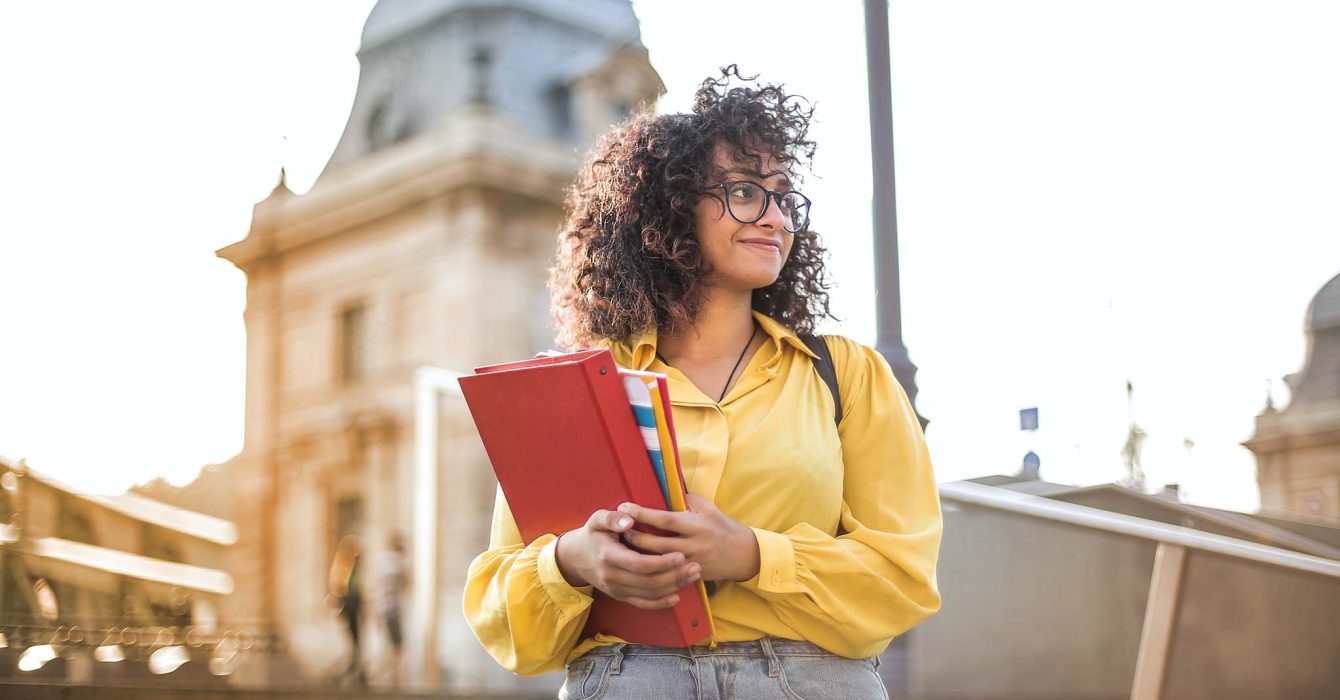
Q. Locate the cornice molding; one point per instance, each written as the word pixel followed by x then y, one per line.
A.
pixel 476 149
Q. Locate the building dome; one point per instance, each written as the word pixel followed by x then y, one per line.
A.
pixel 1324 312
pixel 613 19
pixel 422 62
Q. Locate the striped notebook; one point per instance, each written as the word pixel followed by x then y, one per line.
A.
pixel 639 387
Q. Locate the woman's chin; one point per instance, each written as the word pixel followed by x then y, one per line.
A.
pixel 743 280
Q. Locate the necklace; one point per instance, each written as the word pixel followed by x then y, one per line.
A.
pixel 738 360
pixel 752 332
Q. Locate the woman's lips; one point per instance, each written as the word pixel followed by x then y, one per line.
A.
pixel 763 244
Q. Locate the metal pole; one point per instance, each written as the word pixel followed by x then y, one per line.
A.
pixel 888 305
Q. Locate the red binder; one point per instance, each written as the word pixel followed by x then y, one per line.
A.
pixel 564 443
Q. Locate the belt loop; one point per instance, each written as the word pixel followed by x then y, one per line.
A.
pixel 774 666
pixel 617 663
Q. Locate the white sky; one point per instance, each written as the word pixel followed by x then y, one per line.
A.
pixel 1087 192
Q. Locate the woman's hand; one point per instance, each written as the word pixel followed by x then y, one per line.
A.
pixel 726 550
pixel 594 555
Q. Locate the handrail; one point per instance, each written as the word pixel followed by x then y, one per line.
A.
pixel 1061 511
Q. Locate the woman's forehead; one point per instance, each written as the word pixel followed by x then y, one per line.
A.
pixel 751 164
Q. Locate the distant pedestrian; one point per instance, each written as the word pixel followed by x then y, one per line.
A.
pixel 347 592
pixel 392 582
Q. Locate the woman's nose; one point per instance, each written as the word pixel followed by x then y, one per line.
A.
pixel 772 214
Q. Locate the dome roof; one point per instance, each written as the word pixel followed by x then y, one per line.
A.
pixel 423 61
pixel 1324 312
pixel 613 19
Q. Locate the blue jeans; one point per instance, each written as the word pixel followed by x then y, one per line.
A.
pixel 767 668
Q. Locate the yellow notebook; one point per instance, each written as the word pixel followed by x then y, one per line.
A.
pixel 660 406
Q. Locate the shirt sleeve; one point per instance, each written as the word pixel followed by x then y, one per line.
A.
pixel 527 616
pixel 854 592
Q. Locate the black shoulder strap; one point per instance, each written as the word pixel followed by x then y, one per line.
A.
pixel 827 372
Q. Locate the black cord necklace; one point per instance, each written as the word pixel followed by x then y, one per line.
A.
pixel 738 360
pixel 753 332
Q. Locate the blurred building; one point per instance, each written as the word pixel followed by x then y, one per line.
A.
pixel 1298 448
pixel 125 573
pixel 1054 591
pixel 425 242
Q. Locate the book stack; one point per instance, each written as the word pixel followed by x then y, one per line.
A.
pixel 568 435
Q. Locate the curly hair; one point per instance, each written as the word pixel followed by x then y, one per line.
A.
pixel 628 257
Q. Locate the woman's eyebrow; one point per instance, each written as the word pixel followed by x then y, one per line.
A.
pixel 784 182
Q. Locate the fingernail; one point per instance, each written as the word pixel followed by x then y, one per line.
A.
pixel 674 600
pixel 625 522
pixel 623 508
pixel 693 577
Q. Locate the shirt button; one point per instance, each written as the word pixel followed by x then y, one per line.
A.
pixel 776 578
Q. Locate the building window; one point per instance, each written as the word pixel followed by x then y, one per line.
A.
pixel 353 350
pixel 156 543
pixel 559 99
pixel 73 523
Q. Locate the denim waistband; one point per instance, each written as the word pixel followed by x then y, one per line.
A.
pixel 765 647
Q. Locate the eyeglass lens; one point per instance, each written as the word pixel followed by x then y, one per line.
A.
pixel 747 201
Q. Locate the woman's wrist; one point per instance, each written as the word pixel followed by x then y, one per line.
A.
pixel 747 554
pixel 564 562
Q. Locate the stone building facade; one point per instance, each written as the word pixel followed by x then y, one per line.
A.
pixel 425 242
pixel 1298 448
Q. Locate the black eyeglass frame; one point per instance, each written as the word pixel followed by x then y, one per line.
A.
pixel 769 196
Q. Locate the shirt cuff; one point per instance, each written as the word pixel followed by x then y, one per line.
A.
pixel 571 600
pixel 776 563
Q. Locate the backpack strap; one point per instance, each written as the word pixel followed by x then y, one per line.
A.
pixel 827 371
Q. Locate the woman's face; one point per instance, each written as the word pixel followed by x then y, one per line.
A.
pixel 742 256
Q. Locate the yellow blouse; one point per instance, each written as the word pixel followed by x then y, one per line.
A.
pixel 848 529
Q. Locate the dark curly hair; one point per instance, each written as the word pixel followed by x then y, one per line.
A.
pixel 628 259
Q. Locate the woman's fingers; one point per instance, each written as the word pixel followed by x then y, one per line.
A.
pixel 653 603
pixel 617 556
pixel 671 580
pixel 647 576
pixel 681 523
pixel 676 577
pixel 609 521
pixel 655 544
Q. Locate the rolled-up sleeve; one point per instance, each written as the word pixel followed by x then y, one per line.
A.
pixel 527 616
pixel 853 592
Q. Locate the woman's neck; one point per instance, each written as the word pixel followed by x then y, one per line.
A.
pixel 725 322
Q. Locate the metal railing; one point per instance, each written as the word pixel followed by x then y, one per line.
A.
pixel 1061 511
pixel 1156 635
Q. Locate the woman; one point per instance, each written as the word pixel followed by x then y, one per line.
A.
pixel 687 252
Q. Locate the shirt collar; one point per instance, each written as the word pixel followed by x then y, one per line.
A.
pixel 639 351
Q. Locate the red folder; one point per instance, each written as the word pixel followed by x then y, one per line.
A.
pixel 564 443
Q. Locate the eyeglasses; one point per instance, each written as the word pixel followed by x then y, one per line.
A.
pixel 747 202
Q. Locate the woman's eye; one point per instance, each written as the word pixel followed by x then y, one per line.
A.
pixel 742 192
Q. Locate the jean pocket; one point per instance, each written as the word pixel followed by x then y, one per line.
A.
pixel 815 677
pixel 586 678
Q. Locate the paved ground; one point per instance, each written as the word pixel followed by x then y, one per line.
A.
pixel 41 691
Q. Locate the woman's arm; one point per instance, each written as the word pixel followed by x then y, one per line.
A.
pixel 521 600
pixel 876 579
pixel 522 610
